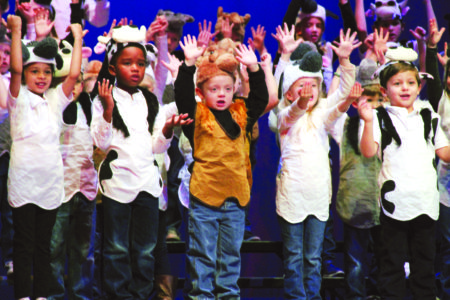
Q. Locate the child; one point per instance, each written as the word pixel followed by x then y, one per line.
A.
pixel 357 196
pixel 220 182
pixel 6 239
pixel 439 97
pixel 71 237
pixel 36 186
pixel 126 125
pixel 405 131
pixel 304 181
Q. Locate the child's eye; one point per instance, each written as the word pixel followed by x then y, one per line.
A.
pixel 141 64
pixel 48 72
pixel 369 100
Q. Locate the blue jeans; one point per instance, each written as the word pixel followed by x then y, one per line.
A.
pixel 130 234
pixel 356 263
pixel 71 239
pixel 302 250
pixel 444 228
pixel 213 257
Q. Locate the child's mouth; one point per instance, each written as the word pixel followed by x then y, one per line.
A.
pixel 404 97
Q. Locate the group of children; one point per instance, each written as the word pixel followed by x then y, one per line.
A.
pixel 215 89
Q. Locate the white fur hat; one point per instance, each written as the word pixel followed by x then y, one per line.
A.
pixel 45 51
pixel 309 66
pixel 318 13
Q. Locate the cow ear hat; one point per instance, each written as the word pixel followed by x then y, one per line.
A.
pixel 44 51
pixel 308 63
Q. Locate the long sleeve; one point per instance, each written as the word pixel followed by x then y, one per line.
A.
pixel 345 86
pixel 160 70
pixel 185 97
pixel 258 97
pixel 434 86
pixel 101 130
pixel 97 12
pixel 288 116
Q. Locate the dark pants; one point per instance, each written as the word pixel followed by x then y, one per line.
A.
pixel 5 211
pixel 357 264
pixel 329 244
pixel 173 212
pixel 32 234
pixel 414 239
pixel 130 234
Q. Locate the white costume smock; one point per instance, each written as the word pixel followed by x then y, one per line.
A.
pixel 36 170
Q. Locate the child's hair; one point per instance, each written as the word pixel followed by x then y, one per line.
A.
pixel 372 90
pixel 395 68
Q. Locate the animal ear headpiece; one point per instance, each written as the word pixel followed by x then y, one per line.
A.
pixel 387 10
pixel 44 51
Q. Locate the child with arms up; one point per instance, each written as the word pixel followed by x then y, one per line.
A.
pixel 126 125
pixel 36 187
pixel 405 131
pixel 219 138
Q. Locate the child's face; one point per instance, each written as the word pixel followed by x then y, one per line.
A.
pixel 374 100
pixel 173 41
pixel 38 77
pixel 5 54
pixel 312 30
pixel 129 68
pixel 394 27
pixel 217 92
pixel 294 91
pixel 402 89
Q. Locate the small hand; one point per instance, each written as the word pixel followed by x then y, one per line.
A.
pixel 247 57
pixel 365 111
pixel 435 34
pixel 355 93
pixel 443 59
pixel 105 95
pixel 346 45
pixel 14 22
pixel 205 35
pixel 258 39
pixel 173 121
pixel 77 31
pixel 305 93
pixel 419 34
pixel 380 41
pixel 227 28
pixel 173 65
pixel 286 39
pixel 191 50
pixel 26 10
pixel 266 61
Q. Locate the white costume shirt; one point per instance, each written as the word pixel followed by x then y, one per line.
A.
pixel 77 149
pixel 134 170
pixel 36 171
pixel 410 166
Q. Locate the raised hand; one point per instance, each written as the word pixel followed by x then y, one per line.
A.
pixel 173 65
pixel 443 59
pixel 191 50
pixel 257 43
pixel 365 111
pixel 345 46
pixel 419 34
pixel 77 31
pixel 355 92
pixel 380 41
pixel 205 35
pixel 157 28
pixel 105 96
pixel 173 121
pixel 246 56
pixel 435 34
pixel 42 23
pixel 305 93
pixel 14 23
pixel 227 28
pixel 286 39
pixel 26 10
pixel 266 61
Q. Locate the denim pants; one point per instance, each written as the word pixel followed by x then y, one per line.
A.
pixel 416 239
pixel 71 239
pixel 7 232
pixel 32 233
pixel 302 250
pixel 356 262
pixel 444 228
pixel 130 234
pixel 213 257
